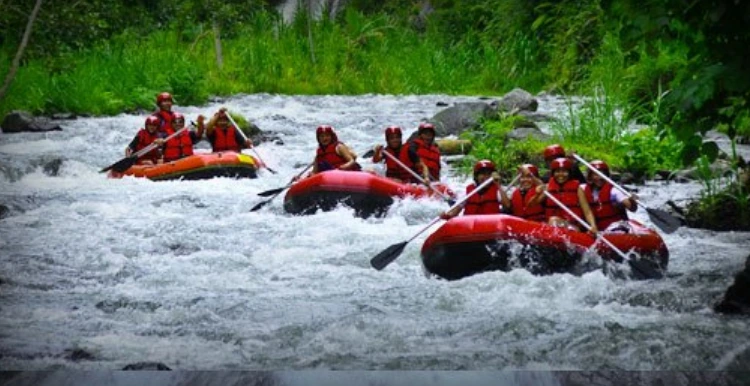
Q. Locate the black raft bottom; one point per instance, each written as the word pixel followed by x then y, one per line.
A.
pixel 458 260
pixel 364 204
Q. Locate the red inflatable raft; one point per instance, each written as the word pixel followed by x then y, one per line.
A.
pixel 467 245
pixel 198 166
pixel 368 193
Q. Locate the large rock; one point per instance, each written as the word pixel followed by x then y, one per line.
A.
pixel 737 298
pixel 523 133
pixel 461 117
pixel 518 100
pixel 20 121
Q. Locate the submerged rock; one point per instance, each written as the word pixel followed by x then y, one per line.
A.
pixel 147 366
pixel 737 298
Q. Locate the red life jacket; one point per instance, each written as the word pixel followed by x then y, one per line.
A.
pixel 519 202
pixel 178 147
pixel 144 139
pixel 394 170
pixel 482 202
pixel 327 158
pixel 605 211
pixel 430 156
pixel 568 195
pixel 165 119
pixel 225 139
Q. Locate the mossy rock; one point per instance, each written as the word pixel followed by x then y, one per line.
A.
pixel 721 212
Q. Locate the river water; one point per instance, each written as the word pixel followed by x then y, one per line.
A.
pixel 99 273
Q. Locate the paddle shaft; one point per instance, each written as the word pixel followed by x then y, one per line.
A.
pixel 454 206
pixel 605 177
pixel 388 255
pixel 413 173
pixel 585 224
pixel 242 133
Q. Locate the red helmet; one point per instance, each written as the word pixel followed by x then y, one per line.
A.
pixel 600 166
pixel 561 163
pixel 484 165
pixel 326 129
pixel 553 151
pixel 532 169
pixel 152 120
pixel 165 96
pixel 392 130
pixel 178 117
pixel 426 126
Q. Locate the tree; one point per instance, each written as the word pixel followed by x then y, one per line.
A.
pixel 21 48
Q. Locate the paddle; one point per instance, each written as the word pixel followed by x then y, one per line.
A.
pixel 665 221
pixel 368 154
pixel 277 191
pixel 125 163
pixel 643 269
pixel 447 199
pixel 242 133
pixel 388 255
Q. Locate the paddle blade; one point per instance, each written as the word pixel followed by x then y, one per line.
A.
pixel 388 255
pixel 665 221
pixel 121 165
pixel 271 192
pixel 368 154
pixel 260 205
pixel 644 269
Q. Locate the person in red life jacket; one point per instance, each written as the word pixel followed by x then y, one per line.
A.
pixel 332 154
pixel 568 191
pixel 555 151
pixel 487 200
pixel 522 203
pixel 395 148
pixel 222 134
pixel 609 205
pixel 165 114
pixel 145 137
pixel 424 154
pixel 182 145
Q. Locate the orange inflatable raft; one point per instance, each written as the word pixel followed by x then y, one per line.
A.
pixel 198 166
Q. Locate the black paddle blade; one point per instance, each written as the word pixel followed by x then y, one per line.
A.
pixel 260 205
pixel 271 192
pixel 665 221
pixel 382 259
pixel 121 165
pixel 644 269
pixel 368 154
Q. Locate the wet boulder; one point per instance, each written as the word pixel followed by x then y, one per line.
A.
pixel 21 121
pixel 146 366
pixel 518 100
pixel 460 117
pixel 736 300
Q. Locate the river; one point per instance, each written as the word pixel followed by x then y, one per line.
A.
pixel 100 273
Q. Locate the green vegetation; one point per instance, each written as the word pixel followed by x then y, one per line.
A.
pixel 669 66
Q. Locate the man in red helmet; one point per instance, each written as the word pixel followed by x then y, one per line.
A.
pixel 222 134
pixel 609 205
pixel 425 154
pixel 165 114
pixel 487 200
pixel 554 151
pixel 145 136
pixel 181 145
pixel 395 148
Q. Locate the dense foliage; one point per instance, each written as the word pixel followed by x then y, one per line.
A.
pixel 106 56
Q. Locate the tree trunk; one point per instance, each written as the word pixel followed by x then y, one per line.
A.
pixel 217 45
pixel 309 29
pixel 21 48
